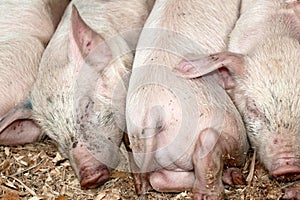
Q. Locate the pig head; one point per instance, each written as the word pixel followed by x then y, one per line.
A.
pixel 79 96
pixel 75 105
pixel 262 77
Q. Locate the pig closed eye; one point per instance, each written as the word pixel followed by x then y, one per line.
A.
pixel 253 112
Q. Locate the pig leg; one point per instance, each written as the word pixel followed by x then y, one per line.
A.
pixel 208 166
pixel 172 181
pixel 209 156
pixel 91 171
pixel 141 180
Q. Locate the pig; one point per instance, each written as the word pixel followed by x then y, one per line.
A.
pixel 182 132
pixel 26 28
pixel 79 92
pixel 263 80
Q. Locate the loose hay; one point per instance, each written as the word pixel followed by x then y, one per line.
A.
pixel 37 171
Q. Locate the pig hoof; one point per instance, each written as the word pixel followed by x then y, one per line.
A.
pixel 142 184
pixel 233 176
pixel 143 197
pixel 292 192
pixel 198 196
pixel 142 188
pixel 93 177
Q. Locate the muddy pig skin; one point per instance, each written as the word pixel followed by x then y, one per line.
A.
pixel 265 75
pixel 72 99
pixel 26 28
pixel 182 132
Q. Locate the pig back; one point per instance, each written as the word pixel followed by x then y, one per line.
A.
pixel 194 27
pixel 37 18
pixel 18 69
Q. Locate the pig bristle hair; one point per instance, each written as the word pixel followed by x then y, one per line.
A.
pixel 35 19
pixel 55 106
pixel 278 92
pixel 12 57
pixel 272 71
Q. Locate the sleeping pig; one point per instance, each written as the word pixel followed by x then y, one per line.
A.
pixel 263 75
pixel 26 28
pixel 182 132
pixel 72 98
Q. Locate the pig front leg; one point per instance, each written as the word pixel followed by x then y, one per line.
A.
pixel 210 154
pixel 141 180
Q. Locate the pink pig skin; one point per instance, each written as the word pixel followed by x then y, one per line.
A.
pixel 183 132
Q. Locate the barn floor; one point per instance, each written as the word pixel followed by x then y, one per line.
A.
pixel 37 171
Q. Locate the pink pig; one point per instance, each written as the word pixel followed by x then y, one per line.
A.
pixel 26 28
pixel 183 132
pixel 78 98
pixel 263 75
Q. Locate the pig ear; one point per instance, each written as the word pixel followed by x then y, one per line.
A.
pixel 84 42
pixel 16 127
pixel 232 62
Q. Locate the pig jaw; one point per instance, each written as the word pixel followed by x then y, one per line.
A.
pixel 91 172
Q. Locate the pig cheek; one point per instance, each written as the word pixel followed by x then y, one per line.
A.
pixel 256 133
pixel 253 127
pixel 259 138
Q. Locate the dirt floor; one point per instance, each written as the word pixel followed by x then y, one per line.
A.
pixel 37 171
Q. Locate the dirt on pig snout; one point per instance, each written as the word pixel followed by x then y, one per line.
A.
pixel 37 171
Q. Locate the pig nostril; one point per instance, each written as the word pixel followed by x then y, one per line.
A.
pixel 275 141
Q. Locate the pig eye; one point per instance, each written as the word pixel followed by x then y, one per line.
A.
pixel 252 108
pixel 254 113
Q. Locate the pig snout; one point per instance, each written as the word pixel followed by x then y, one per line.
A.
pixel 92 173
pixel 286 168
pixel 92 177
pixel 281 158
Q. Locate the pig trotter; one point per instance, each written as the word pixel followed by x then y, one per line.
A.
pixel 198 196
pixel 141 180
pixel 92 178
pixel 292 192
pixel 142 184
pixel 233 176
